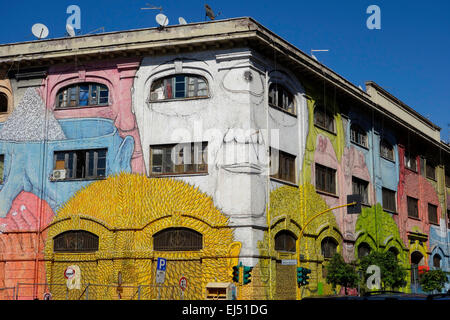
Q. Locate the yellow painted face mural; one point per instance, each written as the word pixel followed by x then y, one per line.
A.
pixel 115 229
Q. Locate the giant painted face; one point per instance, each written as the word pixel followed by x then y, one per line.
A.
pixel 29 140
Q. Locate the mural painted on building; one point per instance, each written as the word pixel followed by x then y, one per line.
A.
pixel 127 212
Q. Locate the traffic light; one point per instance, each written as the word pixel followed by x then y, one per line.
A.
pixel 236 274
pixel 247 274
pixel 305 276
pixel 302 276
pixel 299 276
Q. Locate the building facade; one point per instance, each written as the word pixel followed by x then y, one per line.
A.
pixel 207 144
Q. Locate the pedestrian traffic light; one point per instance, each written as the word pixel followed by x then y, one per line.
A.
pixel 247 274
pixel 299 276
pixel 236 274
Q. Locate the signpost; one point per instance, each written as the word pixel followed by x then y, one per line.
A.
pixel 183 285
pixel 160 274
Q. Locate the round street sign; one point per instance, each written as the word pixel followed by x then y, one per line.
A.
pixel 47 296
pixel 183 283
pixel 69 273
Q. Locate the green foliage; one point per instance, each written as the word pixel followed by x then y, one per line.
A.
pixel 393 276
pixel 341 273
pixel 433 280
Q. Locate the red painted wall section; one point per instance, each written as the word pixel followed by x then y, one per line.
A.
pixel 118 76
pixel 19 243
pixel 414 185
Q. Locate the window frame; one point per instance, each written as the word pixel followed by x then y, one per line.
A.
pixel 383 193
pixel 71 163
pixel 407 157
pixel 435 209
pixel 385 144
pixel 99 88
pixel 286 95
pixel 2 169
pixel 196 243
pixel 285 235
pixel 416 201
pixel 326 115
pixel 173 87
pixel 429 166
pixel 197 150
pixel 287 165
pixel 363 245
pixel 360 182
pixel 61 237
pixel 326 170
pixel 356 132
pixel 437 256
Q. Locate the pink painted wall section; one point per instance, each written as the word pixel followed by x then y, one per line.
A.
pixel 414 185
pixel 19 244
pixel 351 165
pixel 118 76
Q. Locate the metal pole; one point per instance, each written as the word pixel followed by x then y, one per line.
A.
pixel 87 292
pixel 139 292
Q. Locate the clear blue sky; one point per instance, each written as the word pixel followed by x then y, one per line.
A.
pixel 409 56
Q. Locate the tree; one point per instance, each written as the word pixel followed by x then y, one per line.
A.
pixel 392 275
pixel 433 280
pixel 341 273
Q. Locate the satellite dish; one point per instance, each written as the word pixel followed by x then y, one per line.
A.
pixel 162 20
pixel 181 20
pixel 70 30
pixel 40 31
pixel 314 57
pixel 209 12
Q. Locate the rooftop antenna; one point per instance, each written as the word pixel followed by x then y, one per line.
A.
pixel 151 7
pixel 70 30
pixel 162 20
pixel 210 13
pixel 101 28
pixel 40 31
pixel 181 20
pixel 321 50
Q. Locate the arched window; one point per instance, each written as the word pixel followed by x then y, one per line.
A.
pixel 177 239
pixel 75 241
pixel 3 102
pixel 363 250
pixel 394 251
pixel 437 261
pixel 386 150
pixel 180 86
pixel 285 241
pixel 329 247
pixel 358 135
pixel 281 98
pixel 323 118
pixel 82 95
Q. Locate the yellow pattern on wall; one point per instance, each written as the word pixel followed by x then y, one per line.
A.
pixel 125 211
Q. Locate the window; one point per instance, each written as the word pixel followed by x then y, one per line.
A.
pixel 2 167
pixel 437 261
pixel 410 161
pixel 328 247
pixel 323 119
pixel 325 179
pixel 284 165
pixel 285 241
pixel 75 241
pixel 281 98
pixel 413 207
pixel 179 87
pixel 358 135
pixel 432 214
pixel 447 179
pixel 430 170
pixel 3 102
pixel 360 187
pixel 448 219
pixel 389 200
pixel 183 158
pixel 386 150
pixel 81 95
pixel 363 250
pixel 394 251
pixel 177 239
pixel 81 164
